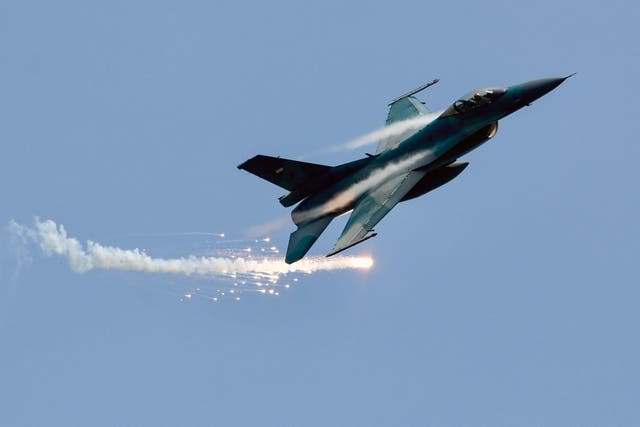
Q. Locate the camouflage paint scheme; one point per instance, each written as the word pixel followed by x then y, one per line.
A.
pixel 404 166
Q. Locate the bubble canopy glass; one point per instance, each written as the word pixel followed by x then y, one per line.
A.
pixel 474 100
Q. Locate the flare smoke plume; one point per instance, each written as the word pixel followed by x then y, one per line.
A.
pixel 53 240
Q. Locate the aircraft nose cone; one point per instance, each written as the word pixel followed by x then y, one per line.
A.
pixel 537 88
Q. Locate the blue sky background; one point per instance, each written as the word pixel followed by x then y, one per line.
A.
pixel 508 297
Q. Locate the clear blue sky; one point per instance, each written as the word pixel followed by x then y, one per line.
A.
pixel 508 297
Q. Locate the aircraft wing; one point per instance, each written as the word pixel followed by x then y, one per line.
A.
pixel 404 107
pixel 373 207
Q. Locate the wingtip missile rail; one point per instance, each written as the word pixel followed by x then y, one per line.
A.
pixel 414 91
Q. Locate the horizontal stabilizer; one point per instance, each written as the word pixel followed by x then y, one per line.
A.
pixel 304 237
pixel 288 174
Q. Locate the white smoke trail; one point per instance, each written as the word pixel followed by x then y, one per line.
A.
pixel 348 196
pixel 53 240
pixel 409 127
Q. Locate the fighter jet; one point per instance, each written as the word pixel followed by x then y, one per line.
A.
pixel 404 166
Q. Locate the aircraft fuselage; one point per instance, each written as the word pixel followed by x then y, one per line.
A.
pixel 407 165
pixel 437 144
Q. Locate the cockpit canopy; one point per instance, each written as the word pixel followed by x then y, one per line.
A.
pixel 474 100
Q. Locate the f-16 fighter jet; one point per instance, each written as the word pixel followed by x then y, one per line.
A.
pixel 405 165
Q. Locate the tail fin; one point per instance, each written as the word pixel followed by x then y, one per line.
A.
pixel 288 174
pixel 304 237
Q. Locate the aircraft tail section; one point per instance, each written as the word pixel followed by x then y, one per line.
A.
pixel 285 173
pixel 304 237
